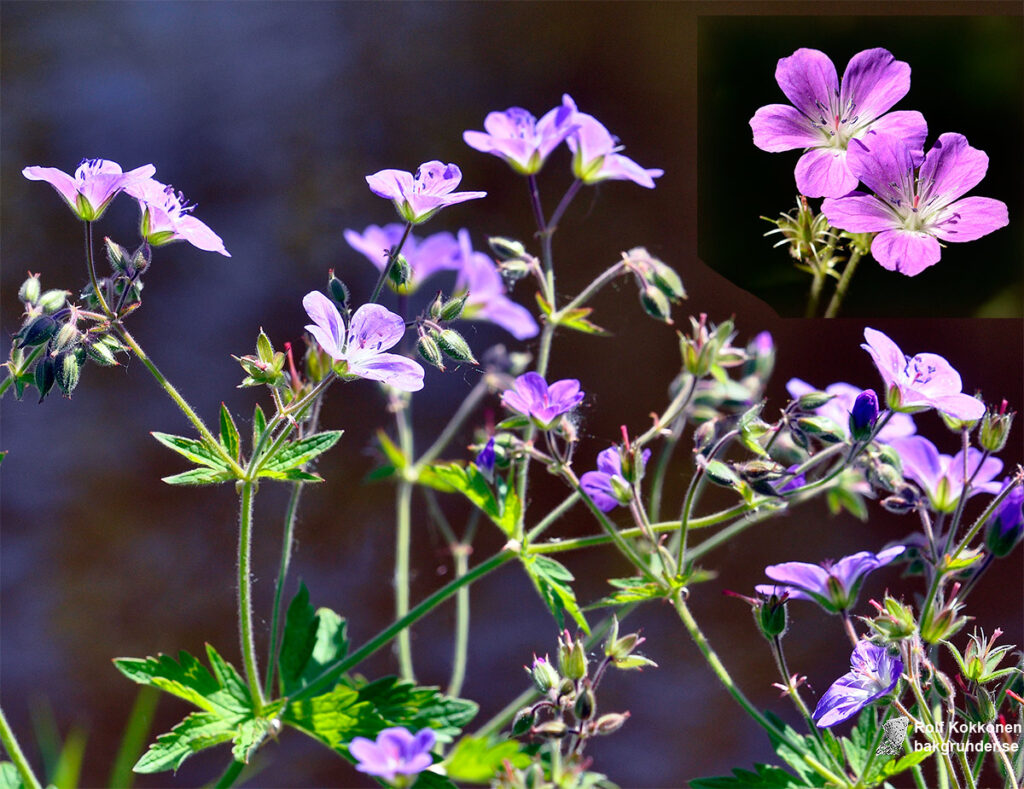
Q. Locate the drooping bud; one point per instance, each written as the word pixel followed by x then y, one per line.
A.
pixel 37 331
pixel 101 353
pixel 338 291
pixel 522 722
pixel 506 248
pixel 53 300
pixel 117 256
pixel 821 427
pixel 30 289
pixel 863 415
pixel 555 728
pixel 585 705
pixel 610 723
pixel 812 401
pixel 45 376
pixel 655 303
pixel 399 272
pixel 903 501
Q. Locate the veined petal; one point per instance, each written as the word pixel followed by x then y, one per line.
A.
pixel 804 576
pixel 375 241
pixel 933 375
pixel 874 81
pixel 565 394
pixel 960 406
pixel 513 318
pixel 951 168
pixel 389 368
pixel 906 125
pixel 591 140
pixel 823 172
pixel 58 179
pixel 859 213
pixel 883 163
pixel 392 184
pixel 969 219
pixel 886 354
pixel 780 127
pixel 373 329
pixel 199 235
pixel 532 387
pixel 622 168
pixel 328 328
pixel 921 461
pixel 598 486
pixel 609 462
pixel 906 251
pixel 807 77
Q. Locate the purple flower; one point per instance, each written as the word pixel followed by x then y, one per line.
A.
pixel 832 585
pixel 607 487
pixel 396 751
pixel 839 408
pixel 167 217
pixel 596 154
pixel 873 673
pixel 1006 526
pixel 826 116
pixel 913 213
pixel 941 477
pixel 794 482
pixel 425 256
pixel 419 198
pixel 520 139
pixel 531 396
pixel 487 300
pixel 920 382
pixel 96 182
pixel 485 459
pixel 372 330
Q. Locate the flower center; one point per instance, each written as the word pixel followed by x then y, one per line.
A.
pixel 174 203
pixel 524 125
pixel 836 120
pixel 430 180
pixel 917 371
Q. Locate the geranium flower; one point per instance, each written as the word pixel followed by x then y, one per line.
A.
pixel 873 673
pixel 832 585
pixel 920 382
pixel 941 477
pixel 606 486
pixel 596 154
pixel 487 298
pixel 167 217
pixel 396 752
pixel 425 256
pixel 418 198
pixel 95 183
pixel 520 139
pixel 912 213
pixel 827 115
pixel 372 330
pixel 531 396
pixel 1006 525
pixel 838 409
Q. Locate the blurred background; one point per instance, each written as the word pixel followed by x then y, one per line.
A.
pixel 967 76
pixel 269 115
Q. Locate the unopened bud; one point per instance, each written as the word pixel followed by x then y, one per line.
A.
pixel 656 304
pixel 995 429
pixel 543 674
pixel 66 337
pixel 551 729
pixel 821 427
pixel 427 348
pixel 454 346
pixel 45 376
pixel 118 257
pixel 264 348
pixel 30 290
pixel 863 415
pixel 67 370
pixel 666 279
pixel 811 401
pixel 1006 526
pixel 585 705
pixel 101 353
pixel 572 659
pixel 338 291
pixel 452 309
pixel 610 723
pixel 37 331
pixel 522 722
pixel 506 248
pixel 400 273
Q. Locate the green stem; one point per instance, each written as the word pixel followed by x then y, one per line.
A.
pixel 403 541
pixel 458 676
pixel 399 625
pixel 660 470
pixel 816 285
pixel 844 283
pixel 245 631
pixel 674 409
pixel 392 257
pixel 566 505
pixel 10 743
pixel 719 670
pixel 291 511
pixel 547 334
pixel 230 775
pixel 588 292
pixel 563 204
pixel 185 408
pixel 93 279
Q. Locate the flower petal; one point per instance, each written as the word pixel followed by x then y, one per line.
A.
pixel 804 576
pixel 921 461
pixel 513 318
pixel 389 368
pixel 807 77
pixel 58 179
pixel 905 251
pixel 970 219
pixel 906 125
pixel 873 82
pixel 609 461
pixel 780 127
pixel 598 486
pixel 951 168
pixel 373 329
pixel 328 328
pixel 859 213
pixel 199 235
pixel 883 163
pixel 392 184
pixel 823 172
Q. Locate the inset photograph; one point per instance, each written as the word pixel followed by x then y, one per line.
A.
pixel 864 166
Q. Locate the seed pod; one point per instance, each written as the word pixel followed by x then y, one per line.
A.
pixel 454 346
pixel 427 348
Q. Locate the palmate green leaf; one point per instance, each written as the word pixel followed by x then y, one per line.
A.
pixel 765 777
pixel 476 760
pixel 195 450
pixel 505 511
pixel 229 438
pixel 313 640
pixel 396 702
pixel 795 758
pixel 190 680
pixel 334 717
pixel 551 581
pixel 296 453
pixel 291 475
pixel 198 731
pixel 200 476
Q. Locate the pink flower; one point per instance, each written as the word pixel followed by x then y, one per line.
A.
pixel 96 182
pixel 167 217
pixel 419 198
pixel 595 153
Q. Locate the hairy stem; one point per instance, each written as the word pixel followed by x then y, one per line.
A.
pixel 844 283
pixel 245 631
pixel 10 743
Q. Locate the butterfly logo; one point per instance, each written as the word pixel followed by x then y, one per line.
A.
pixel 893 734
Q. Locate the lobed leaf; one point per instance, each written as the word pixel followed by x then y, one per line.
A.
pixel 296 453
pixel 476 760
pixel 504 510
pixel 200 476
pixel 190 680
pixel 312 641
pixel 551 581
pixel 195 450
pixel 198 731
pixel 397 702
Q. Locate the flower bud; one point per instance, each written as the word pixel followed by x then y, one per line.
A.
pixel 1006 526
pixel 452 309
pixel 400 273
pixel 863 415
pixel 656 304
pixel 45 376
pixel 543 674
pixel 610 722
pixel 894 622
pixel 37 331
pixel 67 337
pixel 522 722
pixel 821 427
pixel 771 616
pixel 995 429
pixel 67 370
pixel 555 728
pixel 513 270
pixel 454 346
pixel 338 291
pixel 506 248
pixel 979 707
pixel 585 705
pixel 141 259
pixel 101 353
pixel 812 401
pixel 53 300
pixel 943 620
pixel 720 474
pixel 572 659
pixel 665 279
pixel 30 289
pixel 117 256
pixel 903 501
pixel 427 348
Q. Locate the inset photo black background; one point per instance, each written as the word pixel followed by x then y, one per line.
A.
pixel 967 76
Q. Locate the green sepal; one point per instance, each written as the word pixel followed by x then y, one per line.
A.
pixel 200 476
pixel 477 760
pixel 551 581
pixel 313 640
pixel 297 453
pixel 504 509
pixel 193 449
pixel 229 438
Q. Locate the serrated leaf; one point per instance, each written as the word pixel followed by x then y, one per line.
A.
pixel 334 717
pixel 806 745
pixel 247 738
pixel 296 453
pixel 906 762
pixel 312 641
pixel 229 438
pixel 200 476
pixel 195 450
pixel 229 678
pixel 396 702
pixel 551 580
pixel 187 679
pixel 630 590
pixel 476 760
pixel 468 480
pixel 198 731
pixel 292 475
